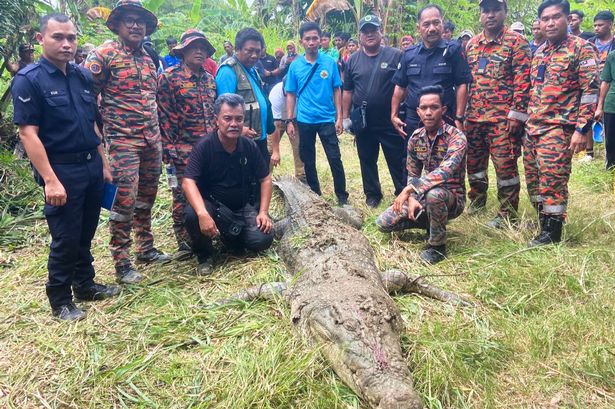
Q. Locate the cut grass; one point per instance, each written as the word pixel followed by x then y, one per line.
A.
pixel 543 334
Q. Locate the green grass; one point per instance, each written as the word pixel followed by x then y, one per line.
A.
pixel 542 335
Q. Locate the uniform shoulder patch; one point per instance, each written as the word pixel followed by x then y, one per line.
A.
pixel 95 68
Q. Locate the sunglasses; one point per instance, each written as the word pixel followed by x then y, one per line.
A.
pixel 131 21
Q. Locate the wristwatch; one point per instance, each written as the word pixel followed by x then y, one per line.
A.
pixel 460 118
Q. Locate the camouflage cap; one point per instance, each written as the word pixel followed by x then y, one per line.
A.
pixel 124 6
pixel 190 36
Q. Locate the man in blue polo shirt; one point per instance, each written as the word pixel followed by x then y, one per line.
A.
pixel 313 87
pixel 237 75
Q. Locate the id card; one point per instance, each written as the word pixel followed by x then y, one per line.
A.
pixel 540 77
pixel 110 191
pixel 482 65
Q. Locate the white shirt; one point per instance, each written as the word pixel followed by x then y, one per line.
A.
pixel 278 102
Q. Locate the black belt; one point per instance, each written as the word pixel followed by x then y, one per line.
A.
pixel 70 158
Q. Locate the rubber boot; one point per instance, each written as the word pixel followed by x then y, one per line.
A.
pixel 550 231
pixel 433 254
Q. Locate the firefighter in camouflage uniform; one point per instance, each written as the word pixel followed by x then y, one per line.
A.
pixel 500 62
pixel 186 95
pixel 435 192
pixel 125 76
pixel 563 99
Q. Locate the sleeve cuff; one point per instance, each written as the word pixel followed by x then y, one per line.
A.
pixel 519 116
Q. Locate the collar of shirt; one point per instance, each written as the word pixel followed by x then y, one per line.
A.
pixel 550 47
pixel 219 148
pixel 192 75
pixel 482 38
pixel 127 48
pixel 423 134
pixel 50 68
pixel 441 44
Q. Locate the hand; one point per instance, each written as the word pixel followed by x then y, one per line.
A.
pixel 208 226
pixel 459 125
pixel 399 125
pixel 413 208
pixel 107 176
pixel 398 204
pixel 598 115
pixel 290 130
pixel 249 132
pixel 346 124
pixel 339 128
pixel 55 194
pixel 275 159
pixel 513 126
pixel 577 143
pixel 263 222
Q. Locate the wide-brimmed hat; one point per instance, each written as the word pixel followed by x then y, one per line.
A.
pixel 124 6
pixel 191 36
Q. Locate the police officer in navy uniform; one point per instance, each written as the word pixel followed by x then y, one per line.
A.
pixel 432 62
pixel 55 109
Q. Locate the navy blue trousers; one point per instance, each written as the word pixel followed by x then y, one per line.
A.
pixel 72 228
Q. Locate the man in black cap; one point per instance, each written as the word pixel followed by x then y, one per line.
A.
pixel 367 90
pixel 26 56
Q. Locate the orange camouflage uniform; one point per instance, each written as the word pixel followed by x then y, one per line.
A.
pixel 563 98
pixel 436 171
pixel 186 110
pixel 499 92
pixel 127 82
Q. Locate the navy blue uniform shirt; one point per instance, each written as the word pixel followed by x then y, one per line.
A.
pixel 442 65
pixel 62 106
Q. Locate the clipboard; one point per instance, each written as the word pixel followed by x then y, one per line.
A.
pixel 110 191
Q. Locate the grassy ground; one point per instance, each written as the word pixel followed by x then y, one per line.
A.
pixel 543 335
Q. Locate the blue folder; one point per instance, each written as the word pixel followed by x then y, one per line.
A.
pixel 110 190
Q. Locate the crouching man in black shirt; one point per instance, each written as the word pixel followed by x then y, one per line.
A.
pixel 228 186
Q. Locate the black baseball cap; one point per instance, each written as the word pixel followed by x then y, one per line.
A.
pixel 369 19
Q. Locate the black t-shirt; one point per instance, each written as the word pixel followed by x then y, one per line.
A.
pixel 358 71
pixel 269 64
pixel 219 174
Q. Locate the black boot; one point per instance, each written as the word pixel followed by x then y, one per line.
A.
pixel 433 254
pixel 550 231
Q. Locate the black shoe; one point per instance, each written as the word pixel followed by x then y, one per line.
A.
pixel 205 265
pixel 127 275
pixel 184 252
pixel 499 222
pixel 550 231
pixel 68 312
pixel 153 256
pixel 373 202
pixel 96 292
pixel 476 207
pixel 433 254
pixel 342 201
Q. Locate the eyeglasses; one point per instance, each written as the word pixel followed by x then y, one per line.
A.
pixel 131 21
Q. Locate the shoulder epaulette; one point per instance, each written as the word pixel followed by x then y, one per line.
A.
pixel 28 68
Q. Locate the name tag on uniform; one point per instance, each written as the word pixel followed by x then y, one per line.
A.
pixel 420 149
pixel 482 65
pixel 540 76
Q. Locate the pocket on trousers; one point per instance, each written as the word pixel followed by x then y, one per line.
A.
pixel 50 210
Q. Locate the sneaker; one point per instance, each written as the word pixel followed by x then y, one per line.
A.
pixel 96 292
pixel 184 252
pixel 433 254
pixel 68 312
pixel 205 266
pixel 127 275
pixel 373 202
pixel 153 256
pixel 586 159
